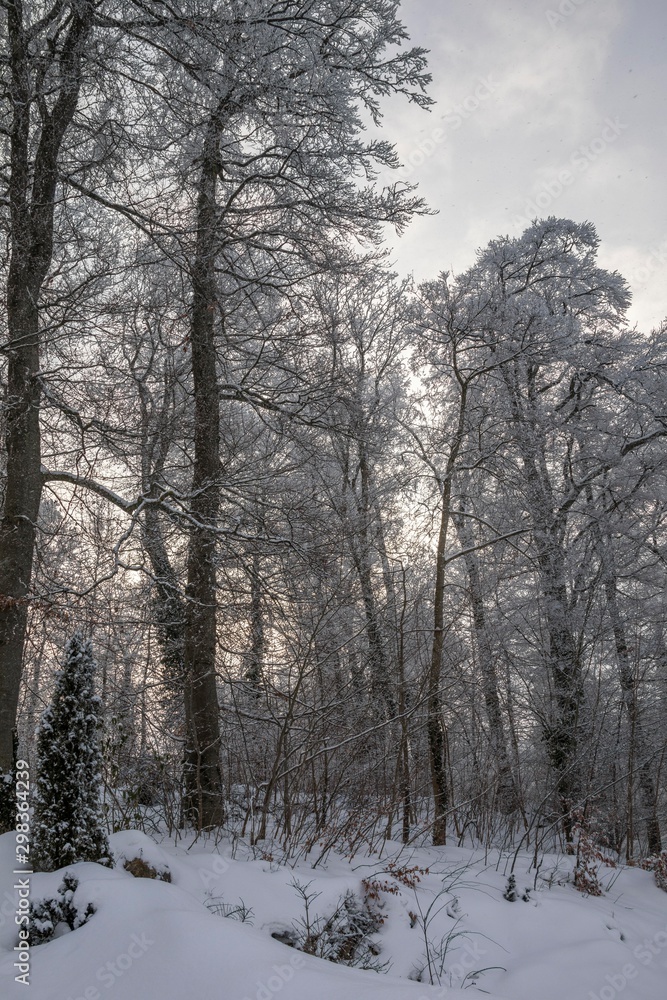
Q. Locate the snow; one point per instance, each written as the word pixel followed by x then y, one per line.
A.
pixel 155 940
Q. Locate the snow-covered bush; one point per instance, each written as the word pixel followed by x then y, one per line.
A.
pixel 345 937
pixel 511 893
pixel 589 858
pixel 67 824
pixel 46 914
pixel 140 868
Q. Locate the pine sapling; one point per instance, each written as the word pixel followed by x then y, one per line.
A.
pixel 68 823
pixel 511 894
pixel 46 914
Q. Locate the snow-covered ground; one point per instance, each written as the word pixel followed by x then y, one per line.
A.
pixel 154 940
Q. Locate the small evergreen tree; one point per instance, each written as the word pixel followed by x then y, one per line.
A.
pixel 510 893
pixel 67 824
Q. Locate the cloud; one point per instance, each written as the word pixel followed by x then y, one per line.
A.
pixel 555 85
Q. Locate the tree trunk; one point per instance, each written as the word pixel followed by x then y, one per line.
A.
pixel 562 732
pixel 435 726
pixel 562 736
pixel 203 804
pixel 396 626
pixel 168 603
pixel 639 750
pixel 507 797
pixel 32 189
pixel 169 606
pixel 381 682
pixel 255 659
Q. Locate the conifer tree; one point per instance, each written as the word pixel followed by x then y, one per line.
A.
pixel 67 825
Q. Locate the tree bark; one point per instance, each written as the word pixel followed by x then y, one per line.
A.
pixel 435 726
pixel 32 190
pixel 640 752
pixel 562 733
pixel 168 604
pixel 203 801
pixel 255 658
pixel 170 614
pixel 396 644
pixel 381 682
pixel 507 796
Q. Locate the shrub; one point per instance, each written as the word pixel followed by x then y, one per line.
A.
pixel 657 863
pixel 141 869
pixel 589 859
pixel 345 937
pixel 46 914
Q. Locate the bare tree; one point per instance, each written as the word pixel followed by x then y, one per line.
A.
pixel 45 65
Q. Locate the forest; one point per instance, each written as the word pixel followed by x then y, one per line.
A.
pixel 361 559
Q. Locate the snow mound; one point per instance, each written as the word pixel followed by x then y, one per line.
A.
pixel 447 922
pixel 151 940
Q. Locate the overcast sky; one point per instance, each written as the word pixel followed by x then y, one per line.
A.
pixel 543 108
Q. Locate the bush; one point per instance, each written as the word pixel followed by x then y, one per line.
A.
pixel 46 914
pixel 657 864
pixel 141 869
pixel 345 937
pixel 589 858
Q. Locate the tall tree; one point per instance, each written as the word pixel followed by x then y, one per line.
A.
pixel 452 349
pixel 46 52
pixel 550 313
pixel 279 220
pixel 273 94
